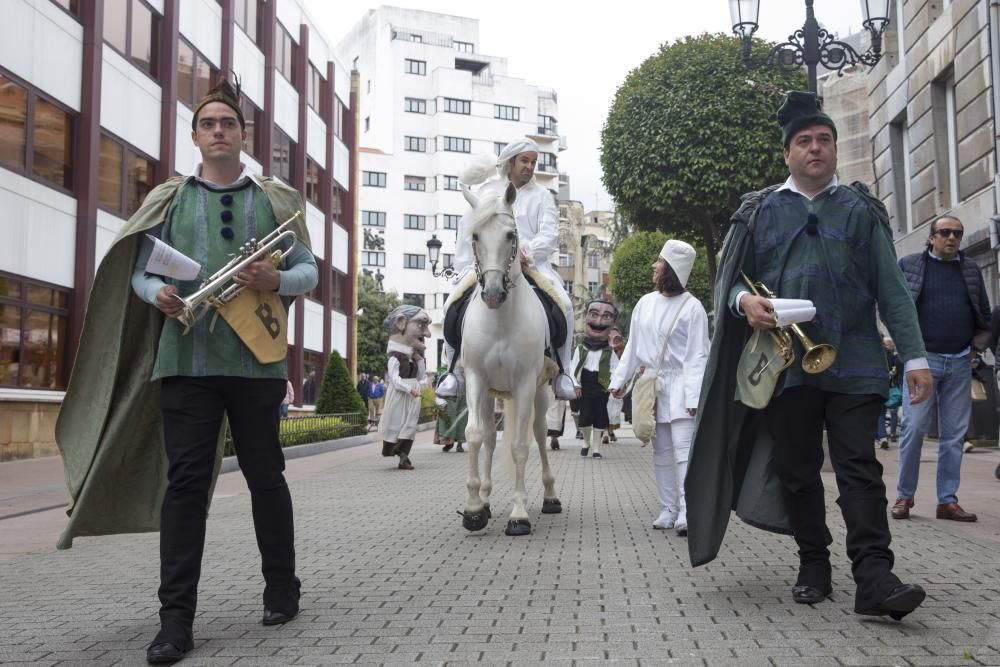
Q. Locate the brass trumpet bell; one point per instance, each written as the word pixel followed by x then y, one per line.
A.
pixel 816 357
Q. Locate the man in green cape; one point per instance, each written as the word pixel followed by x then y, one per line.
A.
pixel 140 427
pixel 809 238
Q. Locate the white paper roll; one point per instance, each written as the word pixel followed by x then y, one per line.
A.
pixel 794 316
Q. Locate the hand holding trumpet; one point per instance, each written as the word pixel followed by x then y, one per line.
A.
pixel 759 312
pixel 260 275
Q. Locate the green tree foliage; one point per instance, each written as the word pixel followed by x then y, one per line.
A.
pixel 689 131
pixel 372 336
pixel 632 273
pixel 338 393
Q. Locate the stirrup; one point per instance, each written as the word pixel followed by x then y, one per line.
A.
pixel 563 387
pixel 447 386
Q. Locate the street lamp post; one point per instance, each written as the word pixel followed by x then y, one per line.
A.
pixel 811 45
pixel 434 256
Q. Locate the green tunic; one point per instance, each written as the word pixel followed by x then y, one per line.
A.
pixel 193 228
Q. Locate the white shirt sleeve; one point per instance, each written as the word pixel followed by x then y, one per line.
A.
pixel 695 354
pixel 546 240
pixel 571 371
pixel 392 375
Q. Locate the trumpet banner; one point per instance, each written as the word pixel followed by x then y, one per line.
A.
pixel 260 320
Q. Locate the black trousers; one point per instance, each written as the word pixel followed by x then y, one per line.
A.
pixel 796 419
pixel 193 408
pixel 593 402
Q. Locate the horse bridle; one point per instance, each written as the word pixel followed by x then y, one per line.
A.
pixel 481 271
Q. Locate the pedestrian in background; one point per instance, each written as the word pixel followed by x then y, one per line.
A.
pixel 890 413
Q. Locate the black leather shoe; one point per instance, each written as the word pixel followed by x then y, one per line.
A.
pixel 808 594
pixel 901 601
pixel 276 617
pixel 165 653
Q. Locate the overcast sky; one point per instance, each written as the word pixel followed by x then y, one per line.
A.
pixel 585 51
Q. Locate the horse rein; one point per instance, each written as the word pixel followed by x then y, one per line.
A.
pixel 482 271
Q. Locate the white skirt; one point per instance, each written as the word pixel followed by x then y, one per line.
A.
pixel 400 414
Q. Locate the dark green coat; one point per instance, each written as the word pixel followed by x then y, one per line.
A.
pixel 729 467
pixel 109 430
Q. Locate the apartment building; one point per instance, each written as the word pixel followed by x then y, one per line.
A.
pixel 430 100
pixel 96 100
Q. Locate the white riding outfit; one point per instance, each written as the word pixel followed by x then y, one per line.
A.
pixel 537 218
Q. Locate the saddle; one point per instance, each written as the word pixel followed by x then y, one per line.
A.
pixel 454 314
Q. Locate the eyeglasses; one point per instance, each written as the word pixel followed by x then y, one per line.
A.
pixel 945 233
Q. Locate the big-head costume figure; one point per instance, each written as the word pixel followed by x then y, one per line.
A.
pixel 592 369
pixel 140 429
pixel 408 327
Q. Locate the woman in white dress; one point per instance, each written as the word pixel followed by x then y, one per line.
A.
pixel 669 311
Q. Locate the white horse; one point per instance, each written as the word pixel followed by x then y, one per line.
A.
pixel 503 353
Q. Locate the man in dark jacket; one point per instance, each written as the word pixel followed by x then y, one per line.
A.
pixel 811 238
pixel 954 314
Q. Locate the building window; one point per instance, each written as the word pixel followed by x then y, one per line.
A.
pixel 33 321
pixel 414 299
pixel 498 147
pixel 568 286
pixel 373 218
pixel 416 144
pixel 416 67
pixel 413 261
pixel 314 176
pixel 547 162
pixel 547 125
pixel 315 90
pixel 251 114
pixel 132 28
pixel 36 135
pixel 593 261
pixel 341 290
pixel 945 140
pixel 504 112
pixel 458 145
pixel 124 179
pixel 195 74
pixel 449 260
pixel 282 155
pixel 566 260
pixel 411 221
pixel 452 105
pixel 338 118
pixel 449 221
pixel 285 53
pixel 464 47
pixel 414 105
pixel 246 13
pixel 415 183
pixel 374 179
pixel 899 147
pixel 593 288
pixel 451 182
pixel 373 258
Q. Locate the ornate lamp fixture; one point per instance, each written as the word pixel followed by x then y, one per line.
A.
pixel 811 45
pixel 434 255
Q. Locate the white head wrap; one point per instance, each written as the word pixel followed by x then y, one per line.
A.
pixel 680 257
pixel 513 149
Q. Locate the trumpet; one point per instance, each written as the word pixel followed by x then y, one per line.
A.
pixel 219 288
pixel 816 358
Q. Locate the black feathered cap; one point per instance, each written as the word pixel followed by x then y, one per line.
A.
pixel 801 109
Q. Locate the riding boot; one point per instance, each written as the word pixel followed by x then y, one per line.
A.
pixel 596 438
pixel 452 383
pixel 389 448
pixel 404 454
pixel 586 430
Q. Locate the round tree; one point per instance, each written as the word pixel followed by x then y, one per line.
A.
pixel 689 131
pixel 337 393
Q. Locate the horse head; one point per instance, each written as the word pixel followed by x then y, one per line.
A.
pixel 492 231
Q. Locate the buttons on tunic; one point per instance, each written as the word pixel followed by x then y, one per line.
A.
pixel 227 216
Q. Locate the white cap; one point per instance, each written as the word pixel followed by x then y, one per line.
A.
pixel 515 148
pixel 680 257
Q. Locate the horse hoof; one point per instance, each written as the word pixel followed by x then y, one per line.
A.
pixel 486 508
pixel 554 443
pixel 517 527
pixel 473 521
pixel 551 506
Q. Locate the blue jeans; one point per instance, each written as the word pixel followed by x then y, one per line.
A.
pixel 952 377
pixel 893 414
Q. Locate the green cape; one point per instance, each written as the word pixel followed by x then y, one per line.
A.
pixel 730 461
pixel 109 429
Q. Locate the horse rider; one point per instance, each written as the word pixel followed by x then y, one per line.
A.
pixel 537 218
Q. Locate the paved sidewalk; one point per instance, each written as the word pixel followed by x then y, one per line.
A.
pixel 390 577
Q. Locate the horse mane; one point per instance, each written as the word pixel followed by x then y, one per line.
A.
pixel 485 211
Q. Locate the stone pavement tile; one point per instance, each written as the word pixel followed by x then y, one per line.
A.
pixel 214 661
pixel 811 661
